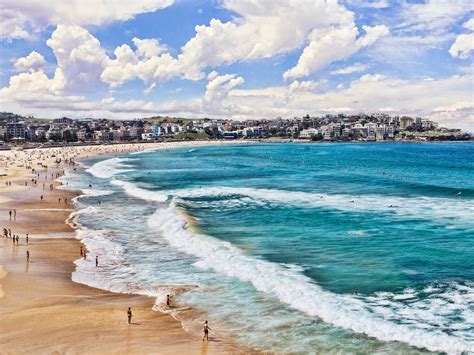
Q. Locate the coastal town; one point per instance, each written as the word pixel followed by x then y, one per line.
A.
pixel 19 130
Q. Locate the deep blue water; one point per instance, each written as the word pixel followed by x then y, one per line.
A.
pixel 294 247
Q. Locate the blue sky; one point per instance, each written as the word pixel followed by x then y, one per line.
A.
pixel 238 58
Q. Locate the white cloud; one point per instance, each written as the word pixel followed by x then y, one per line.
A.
pixel 464 43
pixel 32 62
pixel 130 65
pixel 11 24
pixel 355 68
pixel 18 18
pixel 79 55
pixel 80 60
pixel 83 62
pixel 329 45
pixel 469 24
pixel 34 82
pixel 417 27
pixel 458 105
pixel 148 48
pixel 264 29
pixel 149 89
pixel 459 114
pixel 218 88
pixel 374 4
pixel 309 85
pixel 433 15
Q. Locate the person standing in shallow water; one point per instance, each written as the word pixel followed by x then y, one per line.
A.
pixel 27 256
pixel 129 315
pixel 206 331
pixel 96 261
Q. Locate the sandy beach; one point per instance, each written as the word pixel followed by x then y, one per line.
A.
pixel 41 309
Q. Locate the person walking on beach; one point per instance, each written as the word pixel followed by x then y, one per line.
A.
pixel 14 214
pixel 27 256
pixel 26 238
pixel 10 214
pixel 168 301
pixel 82 252
pixel 129 315
pixel 96 261
pixel 206 331
pixel 41 197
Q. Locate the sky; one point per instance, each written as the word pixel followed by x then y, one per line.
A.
pixel 238 59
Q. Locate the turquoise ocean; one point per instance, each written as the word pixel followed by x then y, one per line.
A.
pixel 362 248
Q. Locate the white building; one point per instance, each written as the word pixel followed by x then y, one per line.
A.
pixel 308 133
pixel 15 130
pixel 147 136
pixel 81 135
pixel 380 133
pixel 371 131
pixel 390 131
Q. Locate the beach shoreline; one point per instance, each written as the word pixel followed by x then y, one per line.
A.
pixel 41 308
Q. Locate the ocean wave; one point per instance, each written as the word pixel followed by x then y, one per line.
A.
pixel 300 292
pixel 107 168
pixel 454 212
pixel 146 151
pixel 96 192
pixel 133 190
pixel 450 211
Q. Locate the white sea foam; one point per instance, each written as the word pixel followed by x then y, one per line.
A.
pixel 300 292
pixel 114 273
pixel 96 192
pixel 133 190
pixel 107 168
pixel 110 260
pixel 146 151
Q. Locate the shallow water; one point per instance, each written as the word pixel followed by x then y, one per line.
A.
pixel 271 241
